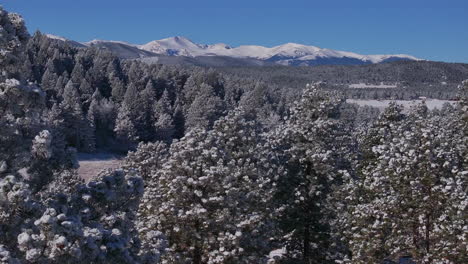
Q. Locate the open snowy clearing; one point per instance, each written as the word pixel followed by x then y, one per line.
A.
pixel 382 104
pixel 365 85
pixel 92 164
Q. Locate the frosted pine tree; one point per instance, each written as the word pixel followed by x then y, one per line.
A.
pixel 206 108
pixel 164 122
pixel 94 224
pixel 410 199
pixel 118 88
pixel 313 146
pixel 211 198
pixel 13 36
pixel 147 159
pixel 79 130
pixel 125 130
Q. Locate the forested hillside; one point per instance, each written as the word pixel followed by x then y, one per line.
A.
pixel 243 166
pixel 107 102
pixel 412 79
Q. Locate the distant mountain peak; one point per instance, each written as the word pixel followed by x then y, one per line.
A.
pixel 285 54
pixel 288 53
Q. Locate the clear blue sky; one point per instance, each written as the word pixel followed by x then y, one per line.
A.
pixel 434 30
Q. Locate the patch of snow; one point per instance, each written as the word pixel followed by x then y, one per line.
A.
pixel 382 104
pixel 380 58
pixel 24 173
pixel 56 37
pixel 277 253
pixel 97 41
pixel 365 85
pixel 92 164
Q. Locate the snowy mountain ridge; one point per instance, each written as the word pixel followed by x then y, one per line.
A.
pixel 286 54
pixel 181 46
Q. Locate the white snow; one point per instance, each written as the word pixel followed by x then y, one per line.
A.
pixel 181 46
pixel 277 253
pixel 381 104
pixel 174 46
pixel 97 41
pixel 365 85
pixel 92 164
pixel 56 37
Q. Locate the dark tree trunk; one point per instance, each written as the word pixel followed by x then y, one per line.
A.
pixel 197 258
pixel 306 244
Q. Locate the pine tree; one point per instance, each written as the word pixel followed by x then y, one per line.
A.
pixel 147 159
pixel 147 100
pixel 409 199
pixel 49 80
pixel 93 111
pixel 215 188
pixel 135 104
pixel 179 120
pixel 205 109
pixel 118 89
pixel 164 122
pixel 86 91
pixel 60 85
pixel 313 144
pixel 78 73
pixel 79 131
pixel 125 130
pixel 12 41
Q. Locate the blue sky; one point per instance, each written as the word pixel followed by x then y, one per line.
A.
pixel 434 30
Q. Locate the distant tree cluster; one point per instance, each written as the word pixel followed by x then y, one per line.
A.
pixel 414 79
pixel 222 169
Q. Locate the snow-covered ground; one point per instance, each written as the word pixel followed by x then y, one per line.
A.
pixel 381 104
pixel 276 254
pixel 365 85
pixel 92 164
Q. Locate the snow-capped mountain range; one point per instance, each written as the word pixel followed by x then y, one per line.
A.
pixel 286 54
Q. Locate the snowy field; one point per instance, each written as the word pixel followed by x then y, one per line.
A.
pixel 365 85
pixel 92 164
pixel 381 104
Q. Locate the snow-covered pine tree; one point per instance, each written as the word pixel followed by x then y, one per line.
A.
pixel 118 89
pixel 147 159
pixel 94 224
pixel 78 130
pixel 164 122
pixel 313 145
pixel 148 99
pixel 206 108
pixel 125 130
pixel 213 195
pixel 49 80
pixel 135 104
pixel 12 40
pixel 86 91
pixel 410 199
pixel 93 114
pixel 78 73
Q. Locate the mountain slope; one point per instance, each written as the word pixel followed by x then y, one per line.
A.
pixel 70 42
pixel 286 54
pixel 122 49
